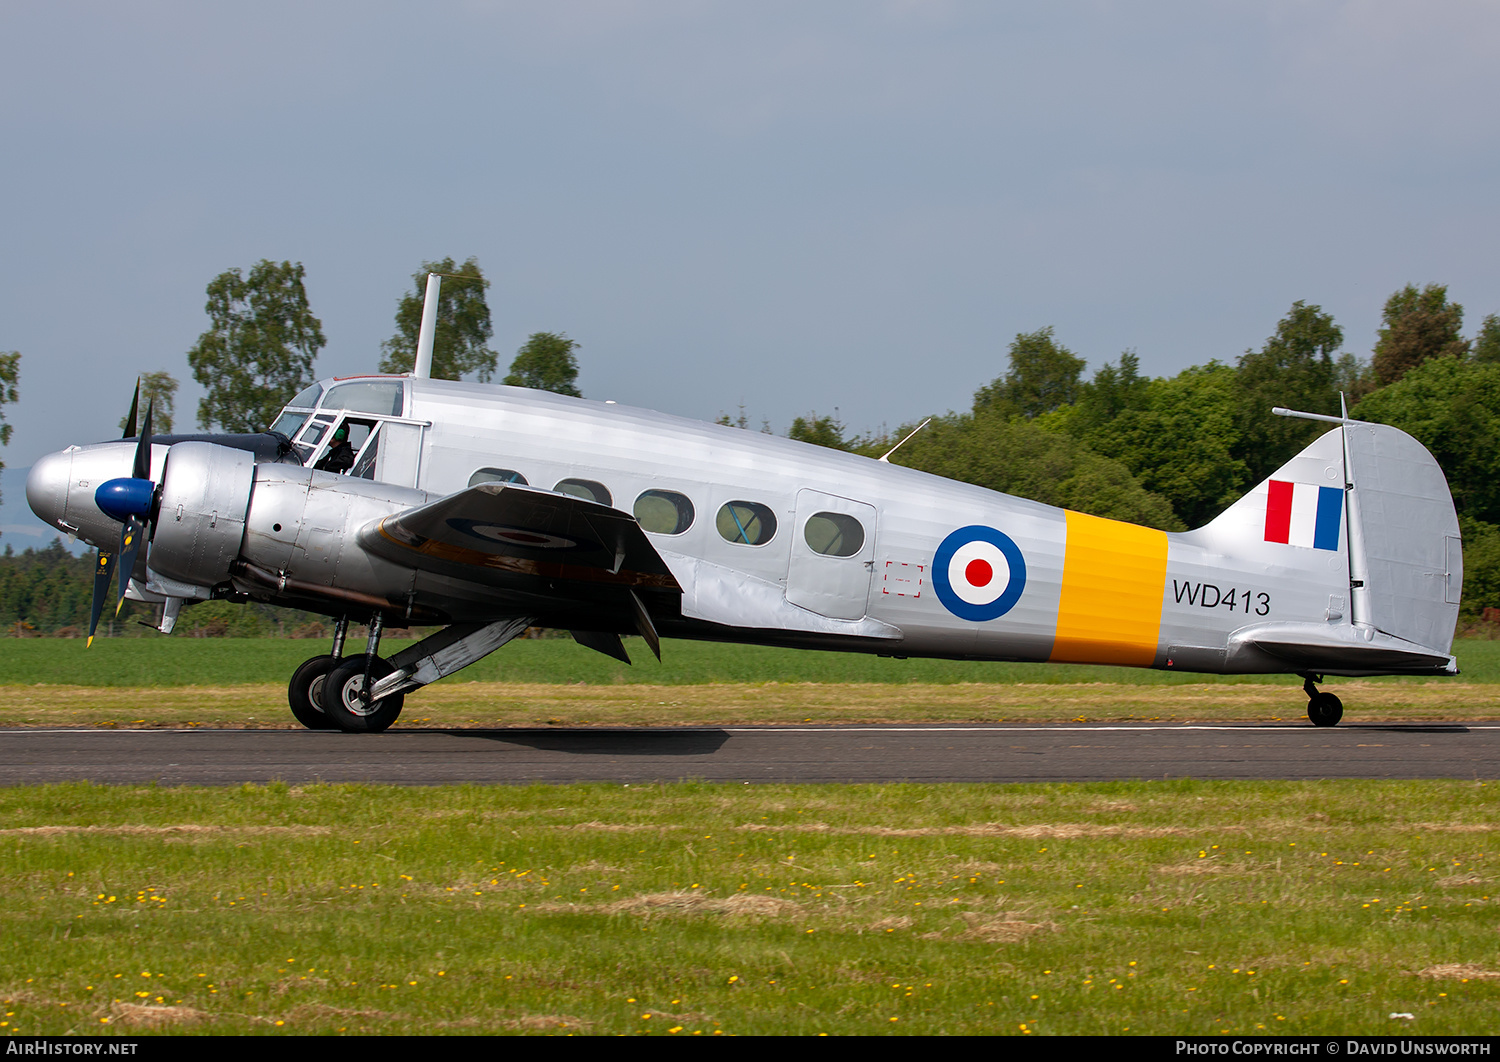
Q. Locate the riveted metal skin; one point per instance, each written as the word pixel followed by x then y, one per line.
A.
pixel 205 495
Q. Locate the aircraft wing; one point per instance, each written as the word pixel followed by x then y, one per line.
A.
pixel 508 535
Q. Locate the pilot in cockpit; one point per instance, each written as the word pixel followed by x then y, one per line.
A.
pixel 340 456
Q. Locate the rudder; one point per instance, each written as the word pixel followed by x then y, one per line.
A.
pixel 1406 532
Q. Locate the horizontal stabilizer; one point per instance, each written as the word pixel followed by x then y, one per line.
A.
pixel 1337 649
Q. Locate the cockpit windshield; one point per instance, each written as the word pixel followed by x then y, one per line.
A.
pixel 381 397
pixel 384 398
pixel 288 423
pixel 307 398
pixel 359 406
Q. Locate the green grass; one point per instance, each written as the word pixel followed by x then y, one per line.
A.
pixel 230 661
pixel 692 909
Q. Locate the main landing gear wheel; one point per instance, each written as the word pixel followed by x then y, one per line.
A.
pixel 1324 709
pixel 304 692
pixel 347 709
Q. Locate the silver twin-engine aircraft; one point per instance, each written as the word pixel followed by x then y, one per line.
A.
pixel 486 510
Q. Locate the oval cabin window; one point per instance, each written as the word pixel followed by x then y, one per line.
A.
pixel 497 475
pixel 587 489
pixel 834 534
pixel 664 512
pixel 749 523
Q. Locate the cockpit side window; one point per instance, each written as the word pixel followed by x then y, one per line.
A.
pixel 316 430
pixel 341 453
pixel 364 467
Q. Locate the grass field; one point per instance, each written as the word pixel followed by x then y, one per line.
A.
pixel 691 909
pixel 233 661
pixel 1182 907
pixel 241 682
pixel 494 704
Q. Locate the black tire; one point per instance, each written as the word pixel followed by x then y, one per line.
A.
pixel 341 701
pixel 303 690
pixel 1324 709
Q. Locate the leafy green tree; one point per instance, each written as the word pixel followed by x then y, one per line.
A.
pixel 1043 376
pixel 1295 369
pixel 1177 437
pixel 1452 405
pixel 1019 457
pixel 1354 377
pixel 546 362
pixel 10 376
pixel 260 348
pixel 1114 390
pixel 820 431
pixel 1481 567
pixel 159 394
pixel 1419 326
pixel 1486 347
pixel 463 324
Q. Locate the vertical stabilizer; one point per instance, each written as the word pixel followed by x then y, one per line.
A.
pixel 1413 563
pixel 1362 520
pixel 1290 537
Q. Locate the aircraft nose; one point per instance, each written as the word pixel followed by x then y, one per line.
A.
pixel 47 488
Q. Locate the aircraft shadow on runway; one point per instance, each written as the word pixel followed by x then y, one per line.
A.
pixel 618 742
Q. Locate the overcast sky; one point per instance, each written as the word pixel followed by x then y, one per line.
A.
pixel 794 206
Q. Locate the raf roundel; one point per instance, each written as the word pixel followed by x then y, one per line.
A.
pixel 978 573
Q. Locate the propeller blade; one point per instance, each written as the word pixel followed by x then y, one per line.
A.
pixel 129 501
pixel 142 468
pixel 132 537
pixel 135 404
pixel 104 569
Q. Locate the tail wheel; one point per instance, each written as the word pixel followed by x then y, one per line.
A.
pixel 1324 709
pixel 305 689
pixel 343 704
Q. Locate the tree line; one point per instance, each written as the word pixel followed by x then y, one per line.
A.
pixel 47 592
pixel 1174 451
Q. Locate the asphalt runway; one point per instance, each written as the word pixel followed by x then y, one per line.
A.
pixel 1063 752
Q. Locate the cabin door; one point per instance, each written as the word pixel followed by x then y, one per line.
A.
pixel 400 457
pixel 832 556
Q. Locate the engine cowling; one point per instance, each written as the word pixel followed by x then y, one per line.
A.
pixel 205 495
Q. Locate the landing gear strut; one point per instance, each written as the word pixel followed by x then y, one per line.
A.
pixel 364 694
pixel 346 690
pixel 1324 709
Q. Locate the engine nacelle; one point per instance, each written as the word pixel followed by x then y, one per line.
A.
pixel 205 495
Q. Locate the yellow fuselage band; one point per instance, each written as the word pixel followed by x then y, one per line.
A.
pixel 1112 590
